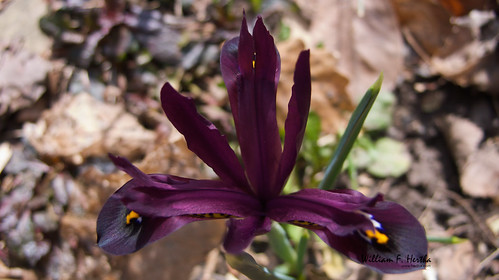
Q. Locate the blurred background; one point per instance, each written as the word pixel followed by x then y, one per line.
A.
pixel 80 79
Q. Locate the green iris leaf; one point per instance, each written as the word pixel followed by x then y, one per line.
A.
pixel 352 131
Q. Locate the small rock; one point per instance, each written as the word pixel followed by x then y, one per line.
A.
pixel 34 250
pixel 480 174
pixel 454 262
pixel 20 20
pixel 463 137
pixel 174 256
pixel 5 155
pixel 21 78
pixel 46 221
pixel 62 263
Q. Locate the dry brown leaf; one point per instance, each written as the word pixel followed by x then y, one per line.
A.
pixel 463 137
pixel 79 126
pixel 329 94
pixel 478 165
pixel 454 262
pixel 461 49
pixel 462 7
pixel 21 77
pixel 171 155
pixel 480 174
pixel 426 25
pixel 366 40
pixel 20 21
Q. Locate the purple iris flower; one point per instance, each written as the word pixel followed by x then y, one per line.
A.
pixel 377 233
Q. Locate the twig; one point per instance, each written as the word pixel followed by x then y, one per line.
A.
pixel 211 263
pixel 488 234
pixel 486 261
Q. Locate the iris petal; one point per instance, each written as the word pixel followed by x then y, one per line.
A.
pixel 126 166
pixel 296 121
pixel 161 204
pixel 117 237
pixel 345 199
pixel 199 133
pixel 406 248
pixel 229 66
pixel 240 233
pixel 190 197
pixel 380 234
pixel 163 195
pixel 310 211
pixel 255 110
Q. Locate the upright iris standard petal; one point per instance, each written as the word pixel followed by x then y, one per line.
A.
pixel 229 66
pixel 199 133
pixel 255 121
pixel 296 121
pixel 245 52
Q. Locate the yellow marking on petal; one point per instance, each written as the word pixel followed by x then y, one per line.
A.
pixel 381 238
pixel 212 216
pixel 253 64
pixel 305 224
pixel 131 216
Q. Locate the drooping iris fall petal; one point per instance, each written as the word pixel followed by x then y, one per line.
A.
pixel 162 195
pixel 118 237
pixel 404 248
pixel 377 233
pixel 121 231
pixel 316 212
pixel 151 206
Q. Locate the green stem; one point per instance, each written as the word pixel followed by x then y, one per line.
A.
pixel 446 239
pixel 301 250
pixel 281 245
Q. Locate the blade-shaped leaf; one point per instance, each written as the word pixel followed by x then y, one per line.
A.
pixel 280 244
pixel 351 133
pixel 301 250
pixel 247 265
